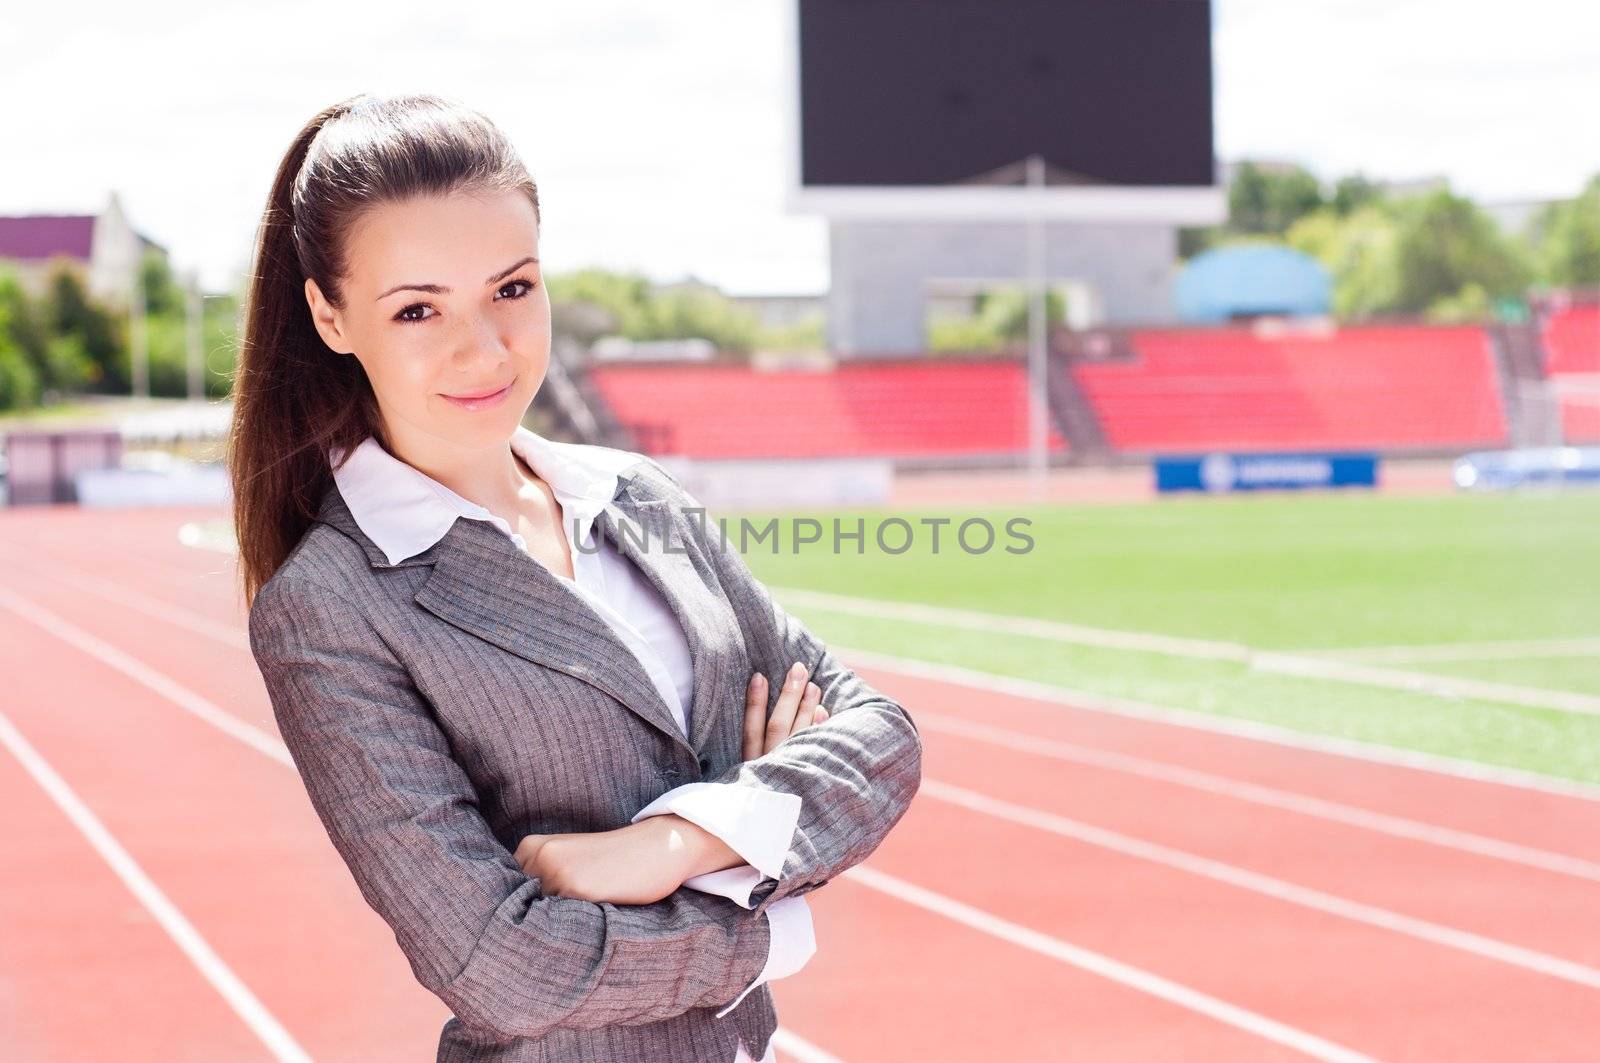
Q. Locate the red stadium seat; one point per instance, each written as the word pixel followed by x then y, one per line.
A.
pixel 1572 360
pixel 892 409
pixel 1359 387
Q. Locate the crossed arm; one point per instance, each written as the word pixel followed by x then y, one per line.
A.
pixel 475 928
pixel 855 774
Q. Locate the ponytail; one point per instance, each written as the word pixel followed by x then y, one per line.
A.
pixel 293 397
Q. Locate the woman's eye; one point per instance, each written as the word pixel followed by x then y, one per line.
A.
pixel 528 286
pixel 408 315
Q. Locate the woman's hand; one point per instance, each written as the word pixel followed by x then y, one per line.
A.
pixel 799 706
pixel 646 861
pixel 641 863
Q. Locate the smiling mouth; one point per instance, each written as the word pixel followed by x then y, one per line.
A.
pixel 480 394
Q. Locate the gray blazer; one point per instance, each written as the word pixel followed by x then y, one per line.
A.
pixel 441 708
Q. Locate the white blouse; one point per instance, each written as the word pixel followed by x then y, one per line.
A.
pixel 405 511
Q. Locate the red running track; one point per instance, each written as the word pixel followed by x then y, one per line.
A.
pixel 1135 954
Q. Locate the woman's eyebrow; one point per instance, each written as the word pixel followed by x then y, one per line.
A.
pixel 439 289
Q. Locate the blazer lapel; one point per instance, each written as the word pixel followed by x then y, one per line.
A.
pixel 484 585
pixel 709 625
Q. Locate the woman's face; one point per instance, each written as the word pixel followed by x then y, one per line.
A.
pixel 444 298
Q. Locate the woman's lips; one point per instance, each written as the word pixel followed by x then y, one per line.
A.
pixel 483 401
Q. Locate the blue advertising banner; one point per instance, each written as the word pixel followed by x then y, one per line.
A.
pixel 1260 472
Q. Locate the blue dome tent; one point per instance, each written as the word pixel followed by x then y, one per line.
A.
pixel 1249 279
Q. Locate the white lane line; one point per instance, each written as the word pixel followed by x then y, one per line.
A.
pixel 791 1043
pixel 1150 712
pixel 1122 973
pixel 254 737
pixel 176 615
pixel 1430 683
pixel 1023 742
pixel 1032 627
pixel 1286 800
pixel 244 1003
pixel 141 673
pixel 1434 933
pixel 1425 683
pixel 1112 970
pixel 1279 889
pixel 1056 696
pixel 1072 699
pixel 47 550
pixel 1508 649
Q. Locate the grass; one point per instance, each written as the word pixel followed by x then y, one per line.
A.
pixel 1326 571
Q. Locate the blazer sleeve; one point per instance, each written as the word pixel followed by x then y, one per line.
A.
pixel 855 773
pixel 403 814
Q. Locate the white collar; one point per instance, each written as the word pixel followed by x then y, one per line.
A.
pixel 404 510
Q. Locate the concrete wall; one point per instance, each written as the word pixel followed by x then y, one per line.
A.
pixel 881 270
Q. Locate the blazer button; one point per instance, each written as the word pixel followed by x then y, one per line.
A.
pixel 705 765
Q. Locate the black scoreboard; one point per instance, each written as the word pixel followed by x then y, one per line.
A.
pixel 904 93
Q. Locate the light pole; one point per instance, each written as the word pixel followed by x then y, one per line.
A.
pixel 194 345
pixel 139 355
pixel 1038 409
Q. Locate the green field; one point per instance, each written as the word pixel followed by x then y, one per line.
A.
pixel 1333 573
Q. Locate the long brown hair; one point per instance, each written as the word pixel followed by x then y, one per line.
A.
pixel 294 397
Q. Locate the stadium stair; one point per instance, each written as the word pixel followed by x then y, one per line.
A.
pixel 1532 411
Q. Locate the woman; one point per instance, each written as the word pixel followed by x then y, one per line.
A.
pixel 536 749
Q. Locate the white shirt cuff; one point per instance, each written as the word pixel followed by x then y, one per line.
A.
pixel 735 883
pixel 793 943
pixel 757 824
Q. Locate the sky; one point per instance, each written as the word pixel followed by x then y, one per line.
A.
pixel 655 131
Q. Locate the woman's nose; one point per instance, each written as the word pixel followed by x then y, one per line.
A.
pixel 479 340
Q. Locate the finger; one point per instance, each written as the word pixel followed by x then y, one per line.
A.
pixel 818 715
pixel 808 707
pixel 528 847
pixel 781 723
pixel 755 715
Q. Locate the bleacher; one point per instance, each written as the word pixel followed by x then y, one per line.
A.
pixel 1395 388
pixel 1571 338
pixel 1408 387
pixel 907 409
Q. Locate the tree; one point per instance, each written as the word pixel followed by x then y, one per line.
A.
pixel 1260 201
pixel 1195 239
pixel 999 319
pixel 162 292
pixel 688 313
pixel 19 382
pixel 1566 239
pixel 1353 192
pixel 168 338
pixel 961 334
pixel 1004 311
pixel 67 367
pixel 1445 244
pixel 620 295
pixel 70 311
pixel 640 312
pixel 23 323
pixel 1469 304
pixel 1359 251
